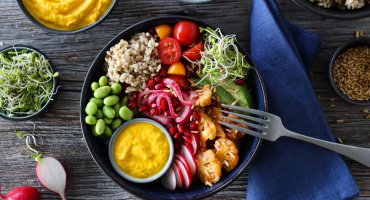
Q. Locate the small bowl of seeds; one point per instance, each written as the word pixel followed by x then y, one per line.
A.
pixel 349 71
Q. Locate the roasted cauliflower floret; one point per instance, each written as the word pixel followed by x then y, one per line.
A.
pixel 220 132
pixel 207 129
pixel 227 153
pixel 209 167
pixel 204 96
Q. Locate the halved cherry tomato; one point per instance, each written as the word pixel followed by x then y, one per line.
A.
pixel 180 80
pixel 169 50
pixel 177 68
pixel 193 53
pixel 186 32
pixel 164 30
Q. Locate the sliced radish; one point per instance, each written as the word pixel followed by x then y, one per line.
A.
pixel 195 143
pixel 187 152
pixel 180 182
pixel 168 180
pixel 187 174
pixel 183 160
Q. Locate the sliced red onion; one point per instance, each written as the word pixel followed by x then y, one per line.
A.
pixel 184 115
pixel 166 121
pixel 175 87
pixel 170 106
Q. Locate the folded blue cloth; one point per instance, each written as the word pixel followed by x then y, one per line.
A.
pixel 291 169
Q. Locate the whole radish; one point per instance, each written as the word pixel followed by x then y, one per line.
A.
pixel 22 193
pixel 49 171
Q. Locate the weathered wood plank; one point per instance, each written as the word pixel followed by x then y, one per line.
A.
pixel 72 55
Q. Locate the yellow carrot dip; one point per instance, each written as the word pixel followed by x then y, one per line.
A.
pixel 67 14
pixel 141 150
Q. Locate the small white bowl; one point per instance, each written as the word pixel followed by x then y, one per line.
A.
pixel 141 180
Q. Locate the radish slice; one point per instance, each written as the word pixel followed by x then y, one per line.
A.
pixel 52 175
pixel 169 180
pixel 178 175
pixel 187 152
pixel 195 143
pixel 187 174
pixel 183 160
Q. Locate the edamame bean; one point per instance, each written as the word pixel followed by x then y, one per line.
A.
pixel 108 132
pixel 103 81
pixel 98 102
pixel 91 120
pixel 111 100
pixel 116 123
pixel 108 121
pixel 102 92
pixel 94 131
pixel 116 88
pixel 100 127
pixel 116 108
pixel 108 112
pixel 94 86
pixel 124 101
pixel 99 114
pixel 125 113
pixel 91 108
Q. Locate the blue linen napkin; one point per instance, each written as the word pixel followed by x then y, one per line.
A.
pixel 291 169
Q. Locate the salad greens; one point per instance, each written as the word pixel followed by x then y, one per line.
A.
pixel 26 82
pixel 221 61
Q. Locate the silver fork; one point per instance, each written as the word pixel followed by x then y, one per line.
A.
pixel 269 127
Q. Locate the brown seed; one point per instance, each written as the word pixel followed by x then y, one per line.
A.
pixel 340 121
pixel 365 110
pixel 340 140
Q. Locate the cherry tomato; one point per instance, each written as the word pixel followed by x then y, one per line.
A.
pixel 186 32
pixel 180 80
pixel 193 53
pixel 164 30
pixel 169 51
pixel 177 68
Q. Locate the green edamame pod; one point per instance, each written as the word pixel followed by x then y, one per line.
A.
pixel 94 131
pixel 116 123
pixel 116 108
pixel 99 114
pixel 124 101
pixel 116 88
pixel 100 127
pixel 98 102
pixel 108 112
pixel 91 120
pixel 125 113
pixel 102 92
pixel 91 108
pixel 94 86
pixel 111 100
pixel 103 81
pixel 108 121
pixel 108 132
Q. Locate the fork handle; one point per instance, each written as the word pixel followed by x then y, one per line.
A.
pixel 361 155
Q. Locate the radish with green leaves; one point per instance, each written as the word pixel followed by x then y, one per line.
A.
pixel 49 171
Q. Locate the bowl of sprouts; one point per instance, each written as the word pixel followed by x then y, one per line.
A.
pixel 27 82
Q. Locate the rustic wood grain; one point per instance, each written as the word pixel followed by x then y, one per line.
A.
pixel 72 55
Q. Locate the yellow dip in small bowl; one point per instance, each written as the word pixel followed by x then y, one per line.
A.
pixel 141 150
pixel 66 15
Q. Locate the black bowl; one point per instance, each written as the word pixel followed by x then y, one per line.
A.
pixel 154 190
pixel 47 29
pixel 55 83
pixel 334 12
pixel 353 43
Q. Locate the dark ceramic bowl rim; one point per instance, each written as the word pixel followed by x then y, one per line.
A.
pixel 70 32
pixel 355 42
pixel 88 141
pixel 336 14
pixel 55 81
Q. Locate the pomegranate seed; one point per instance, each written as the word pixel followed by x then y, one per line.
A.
pixel 240 81
pixel 177 146
pixel 153 105
pixel 132 104
pixel 196 116
pixel 133 96
pixel 163 104
pixel 175 102
pixel 154 111
pixel 193 126
pixel 151 84
pixel 143 108
pixel 177 136
pixel 167 113
pixel 187 139
pixel 159 86
pixel 187 134
pixel 163 72
pixel 173 130
pixel 157 78
pixel 180 127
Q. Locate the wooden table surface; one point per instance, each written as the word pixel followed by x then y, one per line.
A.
pixel 72 55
